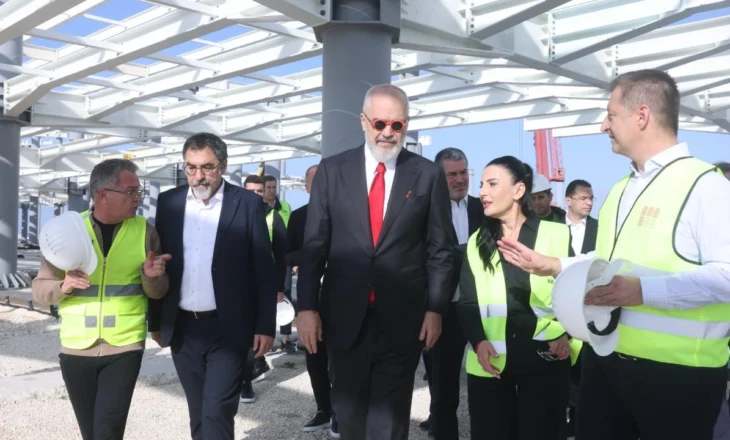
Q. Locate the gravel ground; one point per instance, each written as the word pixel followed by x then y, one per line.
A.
pixel 29 344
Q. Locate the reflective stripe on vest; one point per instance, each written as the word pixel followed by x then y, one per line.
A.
pixel 552 239
pixel 697 337
pixel 113 307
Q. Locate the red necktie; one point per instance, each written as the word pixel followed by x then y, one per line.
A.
pixel 376 200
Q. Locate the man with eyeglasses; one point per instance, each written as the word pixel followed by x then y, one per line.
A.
pixel 583 232
pixel 222 298
pixel 379 220
pixel 103 313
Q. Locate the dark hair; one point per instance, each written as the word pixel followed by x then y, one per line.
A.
pixel 653 88
pixel 450 154
pixel 252 178
pixel 724 167
pixel 574 185
pixel 491 228
pixel 201 141
pixel 268 178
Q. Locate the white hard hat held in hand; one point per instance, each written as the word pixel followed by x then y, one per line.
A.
pixel 65 243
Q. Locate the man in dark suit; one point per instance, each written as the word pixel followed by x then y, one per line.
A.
pixel 583 228
pixel 443 361
pixel 317 363
pixel 222 297
pixel 583 232
pixel 379 220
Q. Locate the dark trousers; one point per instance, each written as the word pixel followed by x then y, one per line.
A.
pixel 318 370
pixel 624 398
pixel 100 390
pixel 443 368
pixel 527 403
pixel 372 385
pixel 210 373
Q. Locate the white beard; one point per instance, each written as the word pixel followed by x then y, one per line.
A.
pixel 382 154
pixel 202 192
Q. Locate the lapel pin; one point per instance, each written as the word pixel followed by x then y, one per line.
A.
pixel 408 194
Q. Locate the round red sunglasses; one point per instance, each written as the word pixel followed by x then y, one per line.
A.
pixel 380 124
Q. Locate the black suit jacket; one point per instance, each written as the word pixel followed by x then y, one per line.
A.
pixel 295 236
pixel 411 265
pixel 475 213
pixel 589 239
pixel 242 268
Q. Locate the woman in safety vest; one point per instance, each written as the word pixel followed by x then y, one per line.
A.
pixel 504 312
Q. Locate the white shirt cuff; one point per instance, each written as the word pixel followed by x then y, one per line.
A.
pixel 654 292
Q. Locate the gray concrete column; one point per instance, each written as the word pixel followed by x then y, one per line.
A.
pixel 24 208
pixel 357 47
pixel 148 209
pixel 34 220
pixel 11 52
pixel 78 198
pixel 412 144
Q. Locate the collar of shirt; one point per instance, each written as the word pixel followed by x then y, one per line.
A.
pixel 572 223
pixel 371 163
pixel 660 160
pixel 217 197
pixel 458 202
pixel 533 222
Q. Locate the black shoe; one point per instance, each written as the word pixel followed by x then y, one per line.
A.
pixel 260 368
pixel 334 428
pixel 320 421
pixel 288 347
pixel 247 394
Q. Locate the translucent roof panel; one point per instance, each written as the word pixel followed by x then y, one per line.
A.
pixel 132 78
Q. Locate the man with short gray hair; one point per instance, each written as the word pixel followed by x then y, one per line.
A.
pixel 443 361
pixel 101 353
pixel 379 221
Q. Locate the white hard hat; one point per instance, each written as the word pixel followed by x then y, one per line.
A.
pixel 595 324
pixel 66 244
pixel 540 183
pixel 284 313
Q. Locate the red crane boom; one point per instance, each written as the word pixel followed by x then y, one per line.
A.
pixel 549 153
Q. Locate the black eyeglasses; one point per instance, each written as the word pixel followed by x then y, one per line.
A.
pixel 130 192
pixel 207 169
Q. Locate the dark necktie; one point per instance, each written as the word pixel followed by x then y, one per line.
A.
pixel 376 200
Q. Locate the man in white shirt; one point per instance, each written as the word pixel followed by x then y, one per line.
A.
pixel 667 377
pixel 583 228
pixel 222 297
pixel 443 361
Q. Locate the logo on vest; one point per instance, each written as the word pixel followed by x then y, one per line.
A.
pixel 648 217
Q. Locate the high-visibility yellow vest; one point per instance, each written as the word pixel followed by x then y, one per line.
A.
pixel 697 337
pixel 285 212
pixel 553 239
pixel 270 224
pixel 113 307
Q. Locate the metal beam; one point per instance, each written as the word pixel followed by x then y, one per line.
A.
pixel 21 16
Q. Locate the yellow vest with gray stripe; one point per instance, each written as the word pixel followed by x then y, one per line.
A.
pixel 697 337
pixel 113 307
pixel 553 239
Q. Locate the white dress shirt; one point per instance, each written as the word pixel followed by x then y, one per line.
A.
pixel 371 164
pixel 702 235
pixel 460 219
pixel 577 234
pixel 199 232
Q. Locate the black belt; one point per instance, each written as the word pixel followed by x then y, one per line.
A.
pixel 199 315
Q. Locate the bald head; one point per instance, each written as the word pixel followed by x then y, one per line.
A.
pixel 309 176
